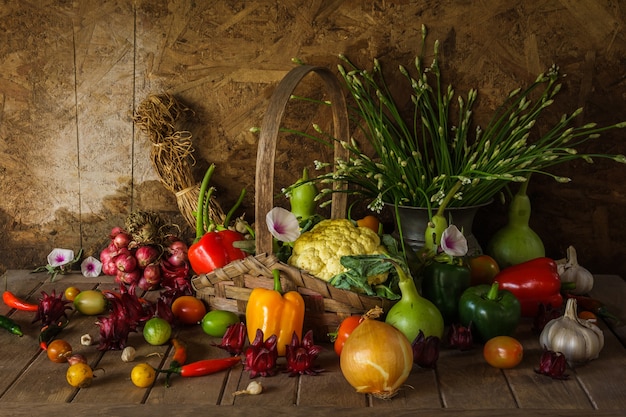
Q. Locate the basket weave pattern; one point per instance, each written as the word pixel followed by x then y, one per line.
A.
pixel 229 288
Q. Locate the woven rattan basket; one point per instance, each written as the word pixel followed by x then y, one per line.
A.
pixel 229 288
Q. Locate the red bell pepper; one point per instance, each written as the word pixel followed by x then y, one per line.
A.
pixel 533 282
pixel 215 250
pixel 213 247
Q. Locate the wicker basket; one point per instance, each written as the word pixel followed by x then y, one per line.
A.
pixel 229 288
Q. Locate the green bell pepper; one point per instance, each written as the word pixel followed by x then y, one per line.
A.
pixel 489 311
pixel 443 284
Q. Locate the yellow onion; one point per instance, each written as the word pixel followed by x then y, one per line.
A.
pixel 376 359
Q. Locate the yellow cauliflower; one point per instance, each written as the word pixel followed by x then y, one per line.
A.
pixel 319 250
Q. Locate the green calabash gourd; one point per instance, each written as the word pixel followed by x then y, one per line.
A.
pixel 516 242
pixel 302 197
pixel 413 312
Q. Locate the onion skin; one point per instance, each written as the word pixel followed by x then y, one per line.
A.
pixel 376 368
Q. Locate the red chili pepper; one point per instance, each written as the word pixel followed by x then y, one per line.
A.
pixel 212 248
pixel 201 368
pixel 180 353
pixel 533 282
pixel 13 301
pixel 595 306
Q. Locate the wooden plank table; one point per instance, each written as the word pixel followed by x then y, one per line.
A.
pixel 462 385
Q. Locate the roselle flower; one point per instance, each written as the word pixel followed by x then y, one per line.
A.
pixel 425 350
pixel 552 364
pixel 460 337
pixel 234 339
pixel 545 313
pixel 283 224
pixel 261 356
pixel 51 308
pixel 301 356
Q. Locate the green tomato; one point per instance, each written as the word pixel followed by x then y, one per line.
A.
pixel 157 331
pixel 215 322
pixel 90 302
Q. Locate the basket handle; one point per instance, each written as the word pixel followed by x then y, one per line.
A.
pixel 266 153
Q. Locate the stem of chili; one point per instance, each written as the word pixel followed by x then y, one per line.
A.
pixel 11 300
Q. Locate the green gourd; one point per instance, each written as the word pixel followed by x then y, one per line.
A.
pixel 413 312
pixel 516 242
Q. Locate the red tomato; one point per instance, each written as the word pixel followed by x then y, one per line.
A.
pixel 188 309
pixel 345 329
pixel 59 350
pixel 483 269
pixel 503 352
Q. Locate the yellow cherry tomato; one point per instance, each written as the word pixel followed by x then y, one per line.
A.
pixel 79 375
pixel 71 293
pixel 143 375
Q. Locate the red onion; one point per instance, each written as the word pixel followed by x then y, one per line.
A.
pixel 129 278
pixel 125 262
pixel 145 285
pixel 122 240
pixel 146 255
pixel 116 231
pixel 178 253
pixel 109 268
pixel 152 274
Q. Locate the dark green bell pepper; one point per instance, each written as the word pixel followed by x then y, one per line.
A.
pixel 490 312
pixel 443 284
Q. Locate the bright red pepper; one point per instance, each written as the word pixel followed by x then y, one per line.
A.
pixel 201 368
pixel 533 282
pixel 11 300
pixel 213 248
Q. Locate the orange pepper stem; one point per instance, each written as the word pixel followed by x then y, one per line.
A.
pixel 277 286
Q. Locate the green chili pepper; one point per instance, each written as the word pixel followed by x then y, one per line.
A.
pixel 10 325
pixel 443 284
pixel 489 311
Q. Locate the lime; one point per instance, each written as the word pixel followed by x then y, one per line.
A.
pixel 157 331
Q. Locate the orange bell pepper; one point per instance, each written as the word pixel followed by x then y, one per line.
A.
pixel 275 313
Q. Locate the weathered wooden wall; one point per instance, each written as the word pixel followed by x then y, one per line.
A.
pixel 72 165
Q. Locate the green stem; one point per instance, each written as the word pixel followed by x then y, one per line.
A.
pixel 455 188
pixel 231 212
pixel 277 286
pixel 200 209
pixel 492 294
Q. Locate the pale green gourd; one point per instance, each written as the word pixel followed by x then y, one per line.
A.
pixel 516 242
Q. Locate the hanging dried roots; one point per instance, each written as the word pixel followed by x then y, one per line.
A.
pixel 159 116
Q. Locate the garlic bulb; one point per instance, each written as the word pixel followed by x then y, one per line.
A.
pixel 577 339
pixel 571 271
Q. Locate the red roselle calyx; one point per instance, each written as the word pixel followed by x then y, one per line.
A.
pixel 234 339
pixel 552 364
pixel 425 350
pixel 301 356
pixel 461 337
pixel 261 356
pixel 545 313
pixel 51 308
